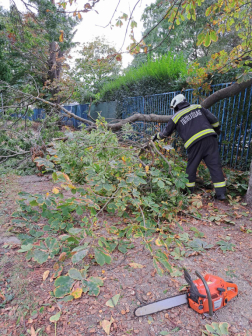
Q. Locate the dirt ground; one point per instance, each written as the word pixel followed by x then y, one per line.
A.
pixel 31 305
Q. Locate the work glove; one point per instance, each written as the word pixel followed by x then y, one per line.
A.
pixel 218 130
pixel 155 137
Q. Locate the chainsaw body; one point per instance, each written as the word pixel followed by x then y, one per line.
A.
pixel 220 293
pixel 205 295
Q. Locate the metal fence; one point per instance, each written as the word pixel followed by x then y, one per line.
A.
pixel 39 114
pixel 105 109
pixel 80 111
pixel 234 114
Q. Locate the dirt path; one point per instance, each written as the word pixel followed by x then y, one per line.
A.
pixel 30 304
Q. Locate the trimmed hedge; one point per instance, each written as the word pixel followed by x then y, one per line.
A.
pixel 163 74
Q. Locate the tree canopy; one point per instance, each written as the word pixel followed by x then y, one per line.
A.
pixel 184 35
pixel 37 43
pixel 95 66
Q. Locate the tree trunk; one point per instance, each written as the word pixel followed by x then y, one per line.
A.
pixel 227 92
pixel 55 67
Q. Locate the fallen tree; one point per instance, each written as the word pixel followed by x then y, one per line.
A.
pixel 227 92
pixel 37 148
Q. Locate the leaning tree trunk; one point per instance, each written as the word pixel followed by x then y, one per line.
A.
pixel 249 191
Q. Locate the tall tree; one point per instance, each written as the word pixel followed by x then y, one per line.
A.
pixel 96 66
pixel 41 38
pixel 5 72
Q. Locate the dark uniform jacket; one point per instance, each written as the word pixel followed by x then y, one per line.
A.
pixel 193 122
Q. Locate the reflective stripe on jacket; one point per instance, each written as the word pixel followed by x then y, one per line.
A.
pixel 193 122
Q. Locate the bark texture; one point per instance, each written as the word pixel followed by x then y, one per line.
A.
pixel 227 92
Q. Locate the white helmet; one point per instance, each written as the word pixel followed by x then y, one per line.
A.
pixel 177 99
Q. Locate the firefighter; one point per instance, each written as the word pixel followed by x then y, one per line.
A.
pixel 198 127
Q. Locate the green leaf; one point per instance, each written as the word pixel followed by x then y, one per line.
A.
pixel 68 298
pixel 29 255
pixel 213 36
pixel 34 203
pixel 162 258
pixel 25 248
pixel 101 257
pixel 164 332
pixel 52 244
pixel 133 24
pixel 44 162
pixel 61 291
pixel 208 10
pixel 79 210
pixel 159 269
pixel 113 301
pixel 224 328
pixel 176 253
pixel 63 286
pixel 201 38
pixel 161 184
pixel 75 274
pixel 78 256
pixel 93 289
pixel 122 248
pixel 75 231
pixel 209 328
pixel 97 280
pixel 216 327
pixel 80 248
pixel 207 40
pixel 176 273
pixel 184 236
pixel 63 280
pixel 55 318
pixel 119 23
pixel 199 244
pixel 40 256
pixel 225 245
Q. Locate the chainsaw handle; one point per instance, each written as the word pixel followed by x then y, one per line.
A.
pixel 210 303
pixel 230 293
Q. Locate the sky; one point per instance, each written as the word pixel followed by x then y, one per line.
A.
pixel 92 23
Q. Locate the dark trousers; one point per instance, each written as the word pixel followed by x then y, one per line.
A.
pixel 206 149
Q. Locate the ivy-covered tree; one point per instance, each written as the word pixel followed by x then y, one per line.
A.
pixel 39 42
pixel 5 73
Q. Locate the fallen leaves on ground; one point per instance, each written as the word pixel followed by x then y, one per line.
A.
pixel 77 293
pixel 136 265
pixel 106 325
pixel 45 275
pixel 113 301
pixel 55 318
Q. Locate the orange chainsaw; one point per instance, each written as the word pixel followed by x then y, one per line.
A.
pixel 205 295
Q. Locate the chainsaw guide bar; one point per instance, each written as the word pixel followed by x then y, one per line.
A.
pixel 160 305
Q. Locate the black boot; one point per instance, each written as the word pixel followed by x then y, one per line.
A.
pixel 220 193
pixel 221 197
pixel 191 190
